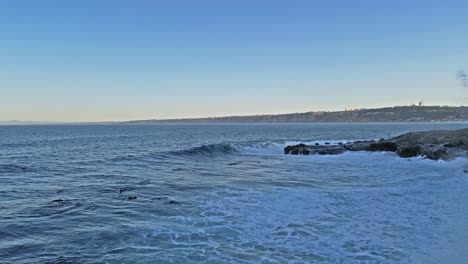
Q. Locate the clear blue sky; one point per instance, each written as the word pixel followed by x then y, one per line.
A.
pixel 92 60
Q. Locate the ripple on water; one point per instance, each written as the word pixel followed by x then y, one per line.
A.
pixel 13 168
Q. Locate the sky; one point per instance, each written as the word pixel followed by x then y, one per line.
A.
pixel 112 60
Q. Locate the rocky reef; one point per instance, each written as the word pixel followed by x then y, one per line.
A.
pixel 434 145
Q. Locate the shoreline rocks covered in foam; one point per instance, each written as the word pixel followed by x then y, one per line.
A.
pixel 434 145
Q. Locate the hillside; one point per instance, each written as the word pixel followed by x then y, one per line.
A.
pixel 387 114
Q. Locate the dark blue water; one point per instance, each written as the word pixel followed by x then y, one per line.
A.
pixel 224 194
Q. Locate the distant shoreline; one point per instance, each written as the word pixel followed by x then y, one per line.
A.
pixel 386 114
pixel 221 123
pixel 404 114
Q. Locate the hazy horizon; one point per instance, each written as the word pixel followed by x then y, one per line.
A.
pixel 92 61
pixel 12 121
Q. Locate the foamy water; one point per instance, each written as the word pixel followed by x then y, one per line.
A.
pixel 225 194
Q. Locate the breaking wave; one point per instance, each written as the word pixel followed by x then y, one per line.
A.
pixel 210 149
pixel 228 148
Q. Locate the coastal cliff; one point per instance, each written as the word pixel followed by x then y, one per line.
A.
pixel 386 114
pixel 434 145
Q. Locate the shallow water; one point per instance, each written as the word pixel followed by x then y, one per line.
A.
pixel 224 194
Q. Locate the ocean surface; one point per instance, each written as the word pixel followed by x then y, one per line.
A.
pixel 225 193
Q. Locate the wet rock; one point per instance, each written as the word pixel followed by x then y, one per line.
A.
pixel 436 154
pixel 408 152
pixel 357 146
pixel 295 148
pixel 331 151
pixel 302 149
pixel 383 146
pixel 435 145
pixel 453 145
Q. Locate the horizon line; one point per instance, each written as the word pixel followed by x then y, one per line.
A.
pixel 29 122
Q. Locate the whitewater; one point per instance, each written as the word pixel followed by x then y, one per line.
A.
pixel 225 193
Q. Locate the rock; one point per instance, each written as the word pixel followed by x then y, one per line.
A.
pixel 434 145
pixel 453 145
pixel 295 148
pixel 357 146
pixel 302 149
pixel 437 154
pixel 383 146
pixel 435 137
pixel 331 151
pixel 408 152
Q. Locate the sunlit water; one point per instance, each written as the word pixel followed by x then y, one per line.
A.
pixel 224 194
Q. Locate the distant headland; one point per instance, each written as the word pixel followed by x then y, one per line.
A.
pixel 413 113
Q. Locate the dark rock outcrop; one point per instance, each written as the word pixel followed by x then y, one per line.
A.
pixel 302 149
pixel 358 145
pixel 383 146
pixel 453 145
pixel 434 145
pixel 437 154
pixel 408 152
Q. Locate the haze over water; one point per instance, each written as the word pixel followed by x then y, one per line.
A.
pixel 224 194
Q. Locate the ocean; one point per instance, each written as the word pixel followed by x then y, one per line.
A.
pixel 225 193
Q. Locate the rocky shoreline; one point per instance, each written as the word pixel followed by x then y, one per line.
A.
pixel 434 145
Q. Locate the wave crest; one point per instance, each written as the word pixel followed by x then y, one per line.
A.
pixel 209 149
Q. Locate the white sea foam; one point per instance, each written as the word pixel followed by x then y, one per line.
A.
pixel 404 214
